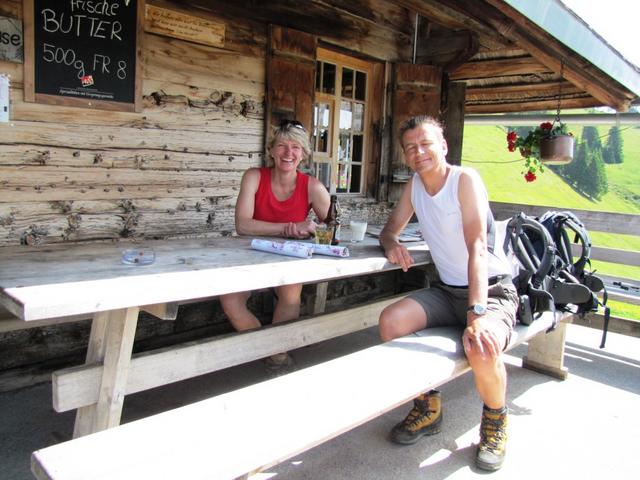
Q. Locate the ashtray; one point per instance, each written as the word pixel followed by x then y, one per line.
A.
pixel 138 256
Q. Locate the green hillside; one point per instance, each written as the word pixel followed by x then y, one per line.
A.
pixel 485 149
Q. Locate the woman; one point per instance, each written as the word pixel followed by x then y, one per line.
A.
pixel 275 201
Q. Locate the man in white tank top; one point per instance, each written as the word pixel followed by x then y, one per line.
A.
pixel 475 291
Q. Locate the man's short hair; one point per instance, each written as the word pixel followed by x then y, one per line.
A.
pixel 415 122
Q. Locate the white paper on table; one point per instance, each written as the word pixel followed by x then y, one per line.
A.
pixel 330 250
pixel 4 98
pixel 291 249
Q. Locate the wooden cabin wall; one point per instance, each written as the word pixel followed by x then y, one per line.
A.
pixel 173 169
pixel 77 174
pixel 71 174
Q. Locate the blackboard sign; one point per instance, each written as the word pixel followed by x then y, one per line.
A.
pixel 83 52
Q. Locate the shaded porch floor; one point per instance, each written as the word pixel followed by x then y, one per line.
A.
pixel 585 427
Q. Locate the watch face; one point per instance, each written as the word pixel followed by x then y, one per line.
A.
pixel 478 309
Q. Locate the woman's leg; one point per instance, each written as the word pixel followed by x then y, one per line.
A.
pixel 235 307
pixel 288 303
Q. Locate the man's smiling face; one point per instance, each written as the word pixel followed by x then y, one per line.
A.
pixel 424 148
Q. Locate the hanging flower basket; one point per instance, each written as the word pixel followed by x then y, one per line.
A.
pixel 547 144
pixel 556 150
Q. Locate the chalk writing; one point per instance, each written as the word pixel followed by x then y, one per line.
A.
pixel 86 48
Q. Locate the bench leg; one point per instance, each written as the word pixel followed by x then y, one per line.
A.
pixel 320 298
pixel 546 353
pixel 110 343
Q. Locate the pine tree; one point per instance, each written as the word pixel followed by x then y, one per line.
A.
pixel 591 136
pixel 574 172
pixel 597 182
pixel 613 147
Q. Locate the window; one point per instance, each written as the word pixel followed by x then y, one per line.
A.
pixel 340 121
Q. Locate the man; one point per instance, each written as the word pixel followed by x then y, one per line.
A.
pixel 475 292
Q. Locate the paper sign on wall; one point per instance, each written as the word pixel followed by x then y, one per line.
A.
pixel 11 40
pixel 4 98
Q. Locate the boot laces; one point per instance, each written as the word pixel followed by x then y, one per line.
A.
pixel 418 414
pixel 493 434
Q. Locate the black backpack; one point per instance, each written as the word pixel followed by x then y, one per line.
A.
pixel 530 250
pixel 575 269
pixel 546 274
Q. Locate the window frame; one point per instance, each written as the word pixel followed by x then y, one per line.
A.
pixel 334 101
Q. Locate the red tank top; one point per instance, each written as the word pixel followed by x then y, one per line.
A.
pixel 269 209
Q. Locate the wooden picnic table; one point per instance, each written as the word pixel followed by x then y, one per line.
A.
pixel 80 280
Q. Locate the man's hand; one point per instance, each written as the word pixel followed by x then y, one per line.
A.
pixel 477 337
pixel 399 255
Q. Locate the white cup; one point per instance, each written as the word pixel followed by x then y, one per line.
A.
pixel 358 229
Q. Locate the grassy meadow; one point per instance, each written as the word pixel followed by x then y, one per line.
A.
pixel 485 149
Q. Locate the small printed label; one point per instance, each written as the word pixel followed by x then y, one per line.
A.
pixel 87 80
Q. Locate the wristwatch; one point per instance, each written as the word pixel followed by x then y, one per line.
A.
pixel 477 308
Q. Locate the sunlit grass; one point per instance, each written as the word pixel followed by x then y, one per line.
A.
pixel 485 149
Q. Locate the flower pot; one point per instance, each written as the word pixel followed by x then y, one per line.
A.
pixel 556 150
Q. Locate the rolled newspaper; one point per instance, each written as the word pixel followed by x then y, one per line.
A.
pixel 298 249
pixel 291 249
pixel 331 250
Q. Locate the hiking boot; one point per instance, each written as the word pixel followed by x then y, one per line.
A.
pixel 279 364
pixel 493 439
pixel 424 419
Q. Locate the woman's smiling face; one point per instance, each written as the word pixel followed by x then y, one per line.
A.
pixel 287 154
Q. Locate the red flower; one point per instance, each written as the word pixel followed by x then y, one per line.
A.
pixel 512 137
pixel 546 126
pixel 512 147
pixel 530 176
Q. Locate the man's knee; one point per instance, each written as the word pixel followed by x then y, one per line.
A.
pixel 388 324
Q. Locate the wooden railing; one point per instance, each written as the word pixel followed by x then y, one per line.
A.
pixel 616 223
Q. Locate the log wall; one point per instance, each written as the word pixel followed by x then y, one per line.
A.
pixel 173 169
pixel 71 174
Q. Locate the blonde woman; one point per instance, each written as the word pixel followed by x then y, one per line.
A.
pixel 276 201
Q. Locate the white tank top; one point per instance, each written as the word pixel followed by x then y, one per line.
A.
pixel 440 220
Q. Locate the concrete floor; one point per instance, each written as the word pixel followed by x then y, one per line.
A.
pixel 585 427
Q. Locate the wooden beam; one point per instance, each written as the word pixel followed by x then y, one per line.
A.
pixel 498 68
pixel 78 386
pixel 620 223
pixel 534 89
pixel 515 27
pixel 524 106
pixel 110 343
pixel 449 50
pixel 613 255
pixel 446 16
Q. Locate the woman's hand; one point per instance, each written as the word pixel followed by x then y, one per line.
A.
pixel 304 229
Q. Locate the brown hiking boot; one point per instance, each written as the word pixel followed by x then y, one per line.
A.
pixel 279 364
pixel 493 439
pixel 424 419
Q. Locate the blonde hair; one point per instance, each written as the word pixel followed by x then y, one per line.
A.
pixel 289 130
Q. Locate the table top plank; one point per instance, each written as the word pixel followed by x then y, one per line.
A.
pixel 72 279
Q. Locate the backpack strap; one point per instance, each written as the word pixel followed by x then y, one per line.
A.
pixel 491 231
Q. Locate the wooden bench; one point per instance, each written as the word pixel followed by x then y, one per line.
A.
pixel 256 427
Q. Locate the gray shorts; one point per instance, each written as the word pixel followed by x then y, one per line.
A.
pixel 446 305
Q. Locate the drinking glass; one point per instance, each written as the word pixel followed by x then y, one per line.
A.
pixel 358 229
pixel 323 235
